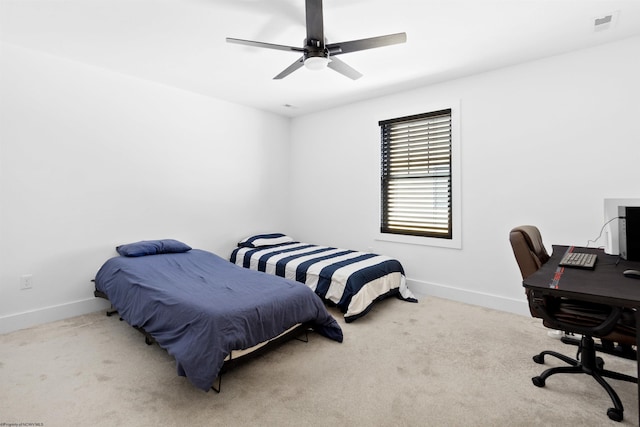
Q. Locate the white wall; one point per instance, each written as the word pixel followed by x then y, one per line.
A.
pixel 526 131
pixel 90 159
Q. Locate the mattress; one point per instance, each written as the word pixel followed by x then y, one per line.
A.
pixel 351 280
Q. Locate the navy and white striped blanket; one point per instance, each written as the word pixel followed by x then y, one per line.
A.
pixel 351 280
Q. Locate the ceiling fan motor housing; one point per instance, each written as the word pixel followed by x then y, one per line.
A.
pixel 315 49
pixel 315 56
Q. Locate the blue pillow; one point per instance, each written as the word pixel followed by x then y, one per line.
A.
pixel 260 240
pixel 152 247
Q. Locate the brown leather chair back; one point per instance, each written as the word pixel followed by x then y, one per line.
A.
pixel 530 253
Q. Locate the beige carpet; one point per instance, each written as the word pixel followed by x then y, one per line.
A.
pixel 435 363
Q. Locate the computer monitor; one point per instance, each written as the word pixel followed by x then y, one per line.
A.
pixel 611 228
pixel 629 232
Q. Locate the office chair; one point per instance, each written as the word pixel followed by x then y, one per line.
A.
pixel 610 324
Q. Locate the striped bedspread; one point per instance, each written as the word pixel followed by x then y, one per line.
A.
pixel 351 280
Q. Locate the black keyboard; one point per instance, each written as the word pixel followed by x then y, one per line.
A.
pixel 579 260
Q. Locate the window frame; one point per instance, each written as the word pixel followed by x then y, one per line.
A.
pixel 455 240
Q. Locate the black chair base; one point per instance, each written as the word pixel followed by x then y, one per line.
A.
pixel 588 364
pixel 624 351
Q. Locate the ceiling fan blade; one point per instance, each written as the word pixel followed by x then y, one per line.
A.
pixel 344 69
pixel 363 44
pixel 265 45
pixel 290 69
pixel 315 25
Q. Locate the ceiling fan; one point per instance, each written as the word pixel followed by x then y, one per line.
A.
pixel 316 54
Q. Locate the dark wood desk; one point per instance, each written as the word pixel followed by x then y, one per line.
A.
pixel 605 284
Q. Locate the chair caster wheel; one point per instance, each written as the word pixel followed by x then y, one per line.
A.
pixel 614 414
pixel 539 359
pixel 538 381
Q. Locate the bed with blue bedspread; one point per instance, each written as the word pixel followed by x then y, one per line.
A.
pixel 351 280
pixel 200 308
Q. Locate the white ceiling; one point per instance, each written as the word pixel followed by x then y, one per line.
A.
pixel 181 43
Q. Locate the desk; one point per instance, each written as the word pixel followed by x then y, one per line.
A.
pixel 605 284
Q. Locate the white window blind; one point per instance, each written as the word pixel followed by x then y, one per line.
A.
pixel 416 175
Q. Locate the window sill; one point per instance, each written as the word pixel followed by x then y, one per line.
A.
pixel 454 243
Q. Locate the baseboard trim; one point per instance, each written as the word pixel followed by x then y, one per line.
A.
pixel 27 319
pixel 482 299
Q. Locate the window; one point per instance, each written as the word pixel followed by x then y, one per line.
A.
pixel 416 184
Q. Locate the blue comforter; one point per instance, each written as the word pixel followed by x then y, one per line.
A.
pixel 200 307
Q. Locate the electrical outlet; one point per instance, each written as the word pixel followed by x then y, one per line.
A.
pixel 26 281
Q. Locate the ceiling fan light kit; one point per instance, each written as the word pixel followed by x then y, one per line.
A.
pixel 316 63
pixel 316 54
